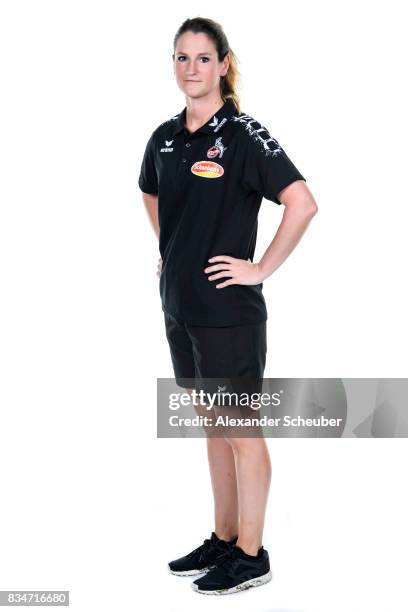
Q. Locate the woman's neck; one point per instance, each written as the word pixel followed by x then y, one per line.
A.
pixel 198 112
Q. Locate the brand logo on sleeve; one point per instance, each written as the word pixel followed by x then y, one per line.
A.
pixel 207 169
pixel 217 149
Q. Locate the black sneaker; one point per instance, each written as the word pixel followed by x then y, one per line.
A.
pixel 235 572
pixel 202 558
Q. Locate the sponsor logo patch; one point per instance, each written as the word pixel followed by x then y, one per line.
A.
pixel 207 169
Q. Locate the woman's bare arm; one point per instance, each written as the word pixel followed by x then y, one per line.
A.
pixel 300 207
pixel 151 205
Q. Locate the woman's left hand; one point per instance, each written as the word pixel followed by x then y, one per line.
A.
pixel 238 271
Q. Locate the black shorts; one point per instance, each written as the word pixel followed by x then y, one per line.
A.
pixel 235 354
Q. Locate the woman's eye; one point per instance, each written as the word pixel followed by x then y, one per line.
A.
pixel 182 57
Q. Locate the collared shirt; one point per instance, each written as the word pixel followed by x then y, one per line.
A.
pixel 210 185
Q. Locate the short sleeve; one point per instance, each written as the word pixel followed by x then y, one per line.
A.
pixel 148 181
pixel 267 167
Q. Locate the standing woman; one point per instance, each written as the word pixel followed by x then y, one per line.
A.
pixel 203 176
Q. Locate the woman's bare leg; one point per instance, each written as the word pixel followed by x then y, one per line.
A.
pixel 253 470
pixel 224 483
pixel 241 474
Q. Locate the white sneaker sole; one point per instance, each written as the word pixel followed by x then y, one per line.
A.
pixel 253 582
pixel 189 572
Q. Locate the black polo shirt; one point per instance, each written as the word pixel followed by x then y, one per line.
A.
pixel 210 185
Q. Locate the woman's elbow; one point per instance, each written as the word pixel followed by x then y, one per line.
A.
pixel 311 207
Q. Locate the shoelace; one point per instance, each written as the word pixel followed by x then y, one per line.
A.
pixel 209 545
pixel 228 561
pixel 204 547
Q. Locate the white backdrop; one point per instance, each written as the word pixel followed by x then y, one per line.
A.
pixel 91 501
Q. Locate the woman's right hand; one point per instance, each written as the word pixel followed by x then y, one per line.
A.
pixel 159 267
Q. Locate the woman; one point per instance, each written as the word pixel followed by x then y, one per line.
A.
pixel 203 177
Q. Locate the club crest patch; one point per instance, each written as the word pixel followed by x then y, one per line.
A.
pixel 217 149
pixel 213 152
pixel 207 169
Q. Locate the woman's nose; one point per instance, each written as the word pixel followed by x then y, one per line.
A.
pixel 191 68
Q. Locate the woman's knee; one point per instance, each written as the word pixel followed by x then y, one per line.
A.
pixel 243 445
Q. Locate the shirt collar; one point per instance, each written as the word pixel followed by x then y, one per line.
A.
pixel 213 125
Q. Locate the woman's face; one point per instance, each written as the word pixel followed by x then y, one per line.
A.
pixel 196 65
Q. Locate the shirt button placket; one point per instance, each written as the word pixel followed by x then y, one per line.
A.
pixel 185 159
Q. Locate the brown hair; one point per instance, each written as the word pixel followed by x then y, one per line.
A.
pixel 229 82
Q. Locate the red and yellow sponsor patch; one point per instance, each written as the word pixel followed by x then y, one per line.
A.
pixel 207 169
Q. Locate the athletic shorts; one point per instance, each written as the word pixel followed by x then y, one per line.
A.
pixel 233 356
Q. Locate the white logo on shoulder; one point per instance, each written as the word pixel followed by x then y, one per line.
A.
pixel 168 148
pixel 215 124
pixel 259 134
